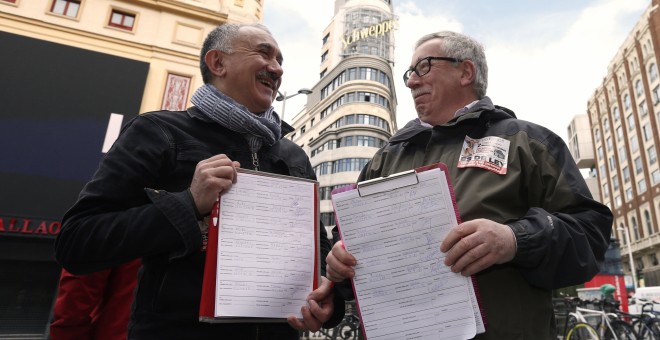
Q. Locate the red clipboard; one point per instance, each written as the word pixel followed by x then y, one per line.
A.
pixel 394 177
pixel 208 296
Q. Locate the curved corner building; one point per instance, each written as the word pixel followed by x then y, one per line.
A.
pixel 352 109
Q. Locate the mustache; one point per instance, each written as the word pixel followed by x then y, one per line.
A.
pixel 269 75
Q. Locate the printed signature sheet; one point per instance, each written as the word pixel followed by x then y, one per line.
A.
pixel 403 288
pixel 266 247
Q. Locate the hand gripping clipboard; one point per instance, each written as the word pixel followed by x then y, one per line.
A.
pixel 272 227
pixel 390 224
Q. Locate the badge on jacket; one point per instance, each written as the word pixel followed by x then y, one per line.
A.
pixel 490 153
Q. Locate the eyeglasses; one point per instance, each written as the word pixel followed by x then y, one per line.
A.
pixel 424 66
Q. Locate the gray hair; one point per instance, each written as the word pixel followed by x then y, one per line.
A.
pixel 221 39
pixel 462 47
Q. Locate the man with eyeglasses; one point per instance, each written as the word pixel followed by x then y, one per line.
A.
pixel 530 224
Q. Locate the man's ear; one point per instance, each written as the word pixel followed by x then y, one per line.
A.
pixel 469 72
pixel 214 59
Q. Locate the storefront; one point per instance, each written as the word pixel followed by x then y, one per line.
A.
pixel 29 275
pixel 59 104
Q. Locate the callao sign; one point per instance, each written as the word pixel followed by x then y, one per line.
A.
pixel 27 226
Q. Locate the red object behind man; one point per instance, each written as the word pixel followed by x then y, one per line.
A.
pixel 94 306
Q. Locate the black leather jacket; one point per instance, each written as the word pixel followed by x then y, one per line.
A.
pixel 136 206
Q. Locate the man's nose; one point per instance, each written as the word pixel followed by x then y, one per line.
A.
pixel 412 81
pixel 275 68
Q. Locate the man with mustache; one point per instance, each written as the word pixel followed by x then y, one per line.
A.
pixel 154 188
pixel 529 223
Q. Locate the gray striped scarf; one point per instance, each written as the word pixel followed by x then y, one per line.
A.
pixel 256 129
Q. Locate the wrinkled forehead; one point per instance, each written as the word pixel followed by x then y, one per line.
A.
pixel 430 48
pixel 256 39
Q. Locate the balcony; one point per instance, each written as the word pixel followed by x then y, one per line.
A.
pixel 642 245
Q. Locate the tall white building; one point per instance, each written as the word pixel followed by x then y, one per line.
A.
pixel 351 110
pixel 624 114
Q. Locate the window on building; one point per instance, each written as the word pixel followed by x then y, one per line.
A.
pixel 656 94
pixel 646 131
pixel 609 144
pixel 638 165
pixel 606 125
pixel 634 228
pixel 324 56
pixel 639 88
pixel 634 145
pixel 641 186
pixel 122 20
pixel 612 162
pixel 311 122
pixel 623 234
pixel 617 201
pixel 67 8
pixel 631 122
pixel 615 114
pixel 629 194
pixel 647 221
pixel 597 135
pixel 302 130
pixel 626 101
pixel 653 72
pixel 643 110
pixel 655 176
pixel 325 39
pixel 321 75
pixel 619 133
pixel 626 174
pixel 615 182
pixel 606 190
pixel 652 155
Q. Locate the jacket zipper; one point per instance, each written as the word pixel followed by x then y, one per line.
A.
pixel 255 161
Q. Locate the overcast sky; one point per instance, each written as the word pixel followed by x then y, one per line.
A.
pixel 545 58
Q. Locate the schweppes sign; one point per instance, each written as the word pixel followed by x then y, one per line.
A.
pixel 376 30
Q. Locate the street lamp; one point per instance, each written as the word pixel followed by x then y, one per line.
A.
pixel 283 97
pixel 630 256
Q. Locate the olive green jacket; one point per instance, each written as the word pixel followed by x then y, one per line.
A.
pixel 562 233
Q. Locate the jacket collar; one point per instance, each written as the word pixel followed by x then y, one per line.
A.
pixel 483 107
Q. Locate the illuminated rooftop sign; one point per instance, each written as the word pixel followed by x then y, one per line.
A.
pixel 377 30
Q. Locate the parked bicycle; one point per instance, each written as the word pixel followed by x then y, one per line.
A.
pixel 574 329
pixel 606 321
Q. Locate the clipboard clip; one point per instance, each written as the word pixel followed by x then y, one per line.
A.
pixel 386 183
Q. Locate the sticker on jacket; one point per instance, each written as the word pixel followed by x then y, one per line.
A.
pixel 490 153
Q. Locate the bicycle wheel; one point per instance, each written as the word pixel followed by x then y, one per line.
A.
pixel 620 330
pixel 581 331
pixel 643 331
pixel 655 328
pixel 345 331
